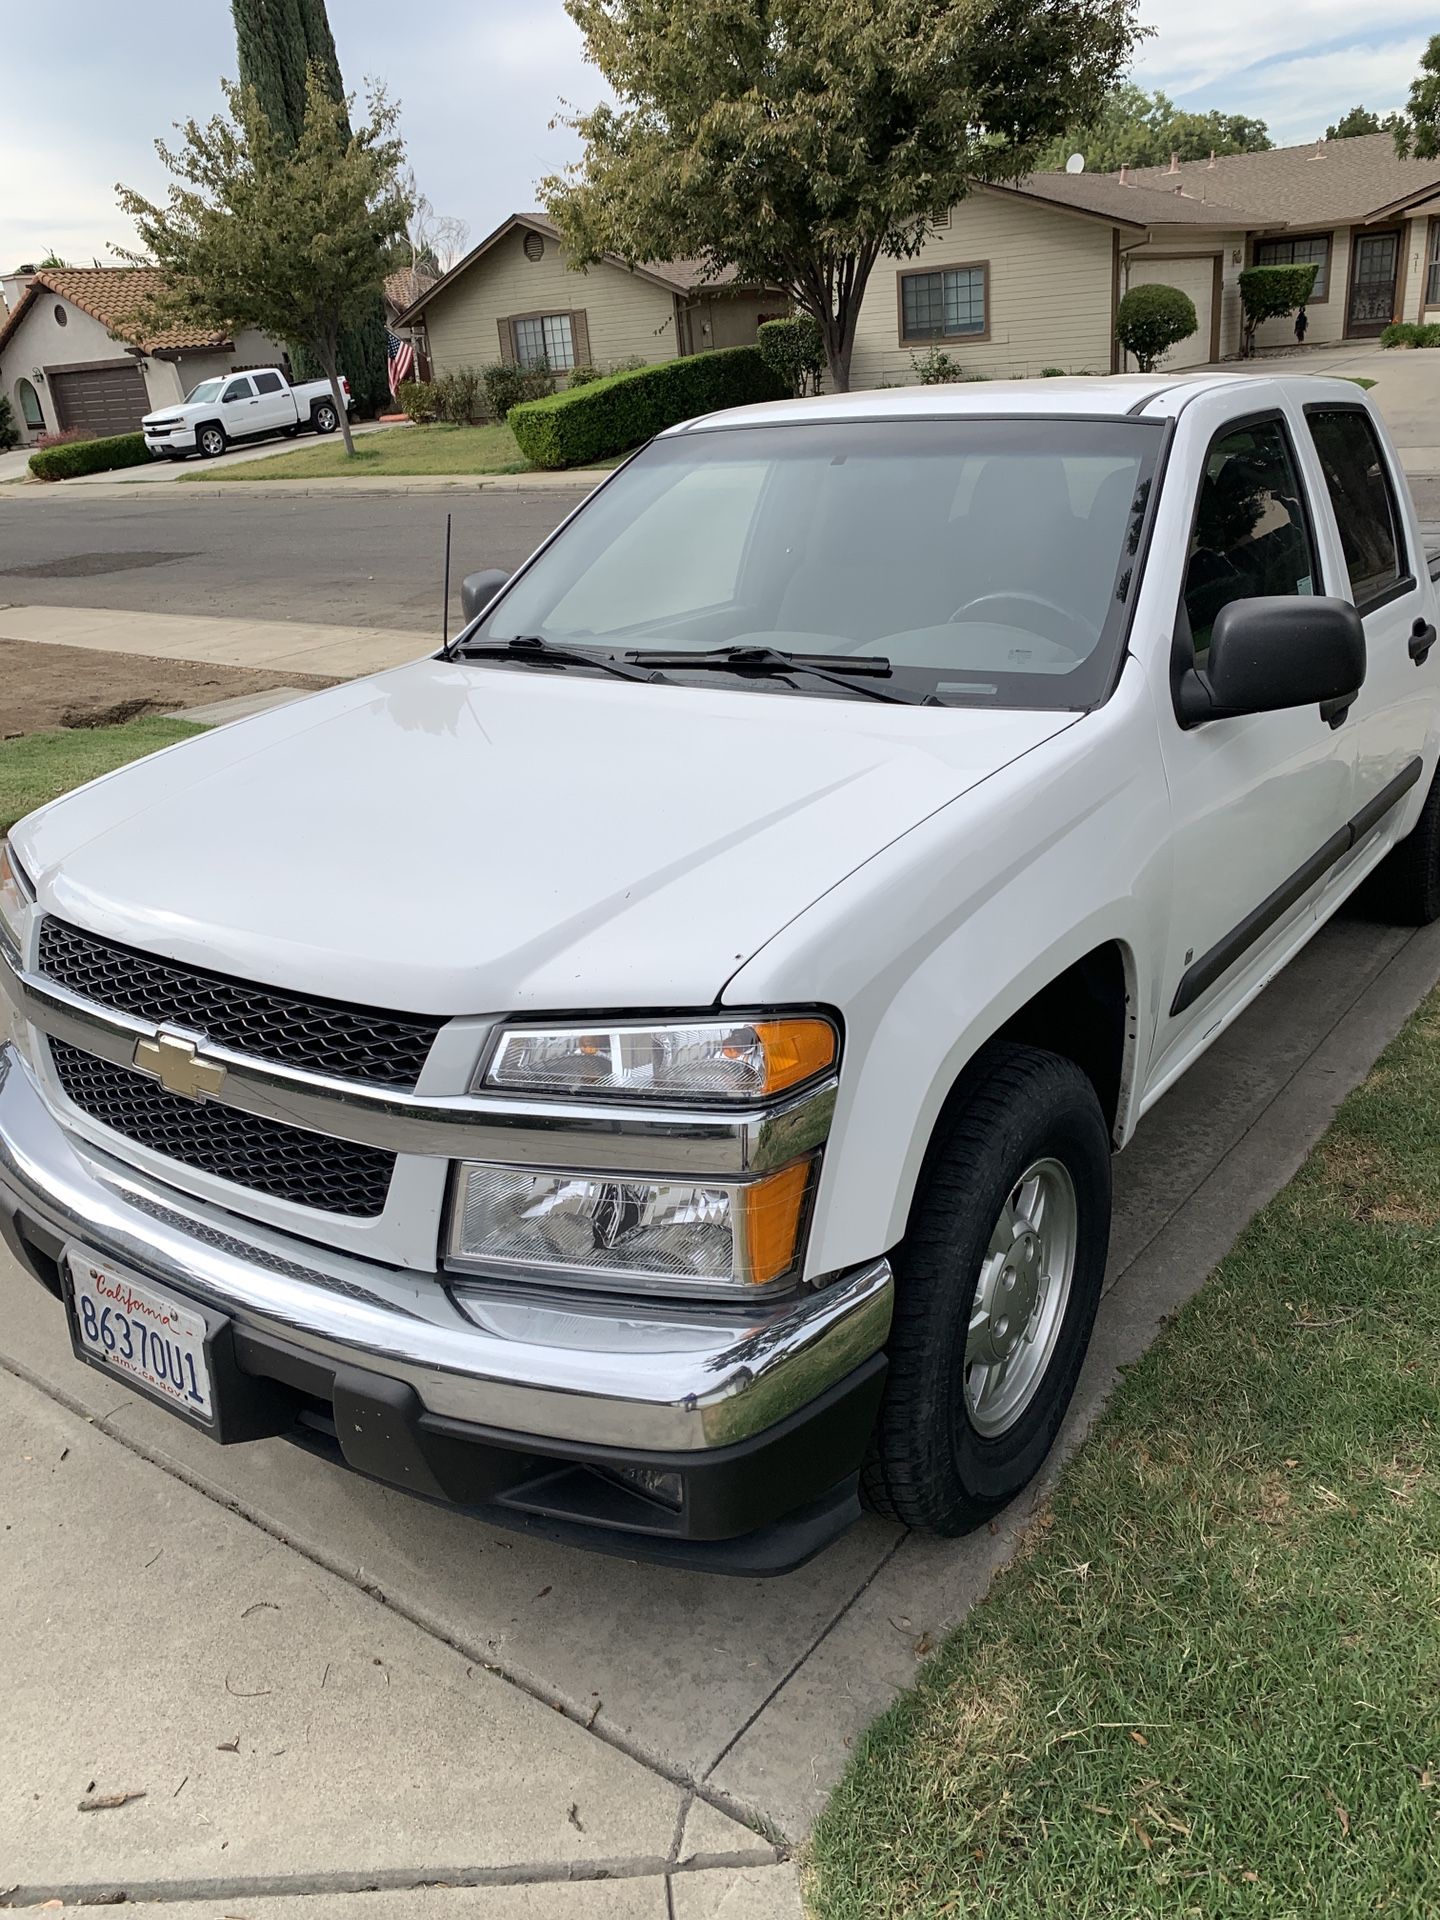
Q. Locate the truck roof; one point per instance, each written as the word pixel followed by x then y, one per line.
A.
pixel 1155 395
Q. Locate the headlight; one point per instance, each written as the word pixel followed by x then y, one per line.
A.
pixel 699 1060
pixel 711 1237
pixel 16 895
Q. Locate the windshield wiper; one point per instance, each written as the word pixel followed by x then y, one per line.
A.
pixel 840 669
pixel 528 646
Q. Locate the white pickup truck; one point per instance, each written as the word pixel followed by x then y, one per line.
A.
pixel 615 1077
pixel 255 405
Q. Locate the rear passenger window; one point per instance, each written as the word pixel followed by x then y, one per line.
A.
pixel 267 383
pixel 1363 499
pixel 1251 533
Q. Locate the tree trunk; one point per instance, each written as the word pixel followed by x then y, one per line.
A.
pixel 325 353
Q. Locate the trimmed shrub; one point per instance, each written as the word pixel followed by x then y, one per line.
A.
pixel 90 456
pixel 623 410
pixel 794 351
pixel 416 400
pixel 507 385
pixel 1405 333
pixel 1052 373
pixel 457 396
pixel 1151 319
pixel 9 432
pixel 584 376
pixel 1269 293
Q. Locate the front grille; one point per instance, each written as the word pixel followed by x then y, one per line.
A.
pixel 324 1036
pixel 337 1176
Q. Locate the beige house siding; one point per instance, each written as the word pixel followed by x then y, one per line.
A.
pixel 1193 252
pixel 727 319
pixel 1327 316
pixel 1050 291
pixel 1417 254
pixel 625 314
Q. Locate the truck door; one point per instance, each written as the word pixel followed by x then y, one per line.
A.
pixel 274 408
pixel 1377 562
pixel 238 407
pixel 1255 799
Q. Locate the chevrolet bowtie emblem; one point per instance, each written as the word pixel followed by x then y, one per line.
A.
pixel 175 1064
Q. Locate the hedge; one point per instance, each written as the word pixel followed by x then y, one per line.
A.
pixel 1406 333
pixel 621 411
pixel 90 456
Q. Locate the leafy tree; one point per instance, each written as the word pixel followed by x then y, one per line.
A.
pixel 278 41
pixel 1417 131
pixel 1267 293
pixel 1359 121
pixel 798 140
pixel 260 231
pixel 1151 319
pixel 1138 129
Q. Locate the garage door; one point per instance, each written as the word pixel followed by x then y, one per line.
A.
pixel 106 399
pixel 1197 278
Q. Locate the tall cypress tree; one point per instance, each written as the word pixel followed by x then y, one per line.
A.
pixel 276 40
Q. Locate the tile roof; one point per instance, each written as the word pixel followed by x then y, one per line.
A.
pixel 1139 205
pixel 114 296
pixel 1322 183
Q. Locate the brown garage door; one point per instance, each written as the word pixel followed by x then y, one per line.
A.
pixel 104 399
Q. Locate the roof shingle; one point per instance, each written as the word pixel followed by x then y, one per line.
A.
pixel 1325 182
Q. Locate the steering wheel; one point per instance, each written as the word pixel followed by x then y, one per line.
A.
pixel 1026 603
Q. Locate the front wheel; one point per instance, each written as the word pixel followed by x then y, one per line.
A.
pixel 996 1288
pixel 212 442
pixel 325 417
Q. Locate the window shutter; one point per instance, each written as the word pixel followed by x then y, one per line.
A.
pixel 507 343
pixel 580 338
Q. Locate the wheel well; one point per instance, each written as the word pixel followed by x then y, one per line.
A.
pixel 205 425
pixel 1081 1015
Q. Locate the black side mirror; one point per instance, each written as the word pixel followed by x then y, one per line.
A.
pixel 477 590
pixel 1272 652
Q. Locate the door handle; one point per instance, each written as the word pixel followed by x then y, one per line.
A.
pixel 1422 638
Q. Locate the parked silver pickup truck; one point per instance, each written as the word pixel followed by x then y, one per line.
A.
pixel 650 1072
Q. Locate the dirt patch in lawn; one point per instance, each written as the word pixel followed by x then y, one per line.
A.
pixel 45 686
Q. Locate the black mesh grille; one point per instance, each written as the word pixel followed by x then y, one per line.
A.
pixel 325 1036
pixel 286 1162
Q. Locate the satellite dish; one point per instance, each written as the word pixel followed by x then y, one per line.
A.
pixel 1075 164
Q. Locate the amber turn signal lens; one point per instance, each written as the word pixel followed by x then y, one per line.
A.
pixel 795 1050
pixel 774 1215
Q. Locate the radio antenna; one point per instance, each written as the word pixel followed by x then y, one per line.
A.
pixel 445 609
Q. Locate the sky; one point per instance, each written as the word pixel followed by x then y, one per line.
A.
pixel 89 86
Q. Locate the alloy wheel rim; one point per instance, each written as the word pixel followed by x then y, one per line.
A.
pixel 1021 1296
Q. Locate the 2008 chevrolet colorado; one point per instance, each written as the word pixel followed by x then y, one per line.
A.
pixel 614 1075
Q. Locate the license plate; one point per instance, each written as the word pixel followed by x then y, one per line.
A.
pixel 132 1327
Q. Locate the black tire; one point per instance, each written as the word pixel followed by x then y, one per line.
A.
pixel 211 441
pixel 323 416
pixel 1406 886
pixel 929 1467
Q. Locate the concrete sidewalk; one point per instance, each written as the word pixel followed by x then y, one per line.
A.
pixel 279 646
pixel 519 1678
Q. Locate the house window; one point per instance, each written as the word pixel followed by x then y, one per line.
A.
pixel 949 304
pixel 545 340
pixel 31 411
pixel 1300 253
pixel 1432 266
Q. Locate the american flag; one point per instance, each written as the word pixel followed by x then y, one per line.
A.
pixel 400 356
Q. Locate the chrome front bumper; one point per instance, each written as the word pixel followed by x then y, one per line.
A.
pixel 595 1370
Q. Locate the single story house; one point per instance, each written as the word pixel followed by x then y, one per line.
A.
pixel 74 353
pixel 1368 219
pixel 1015 279
pixel 517 297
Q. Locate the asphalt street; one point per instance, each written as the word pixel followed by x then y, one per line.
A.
pixel 368 560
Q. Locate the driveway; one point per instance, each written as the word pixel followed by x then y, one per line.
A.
pixel 319 1684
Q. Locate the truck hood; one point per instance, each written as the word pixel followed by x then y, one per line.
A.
pixel 456 838
pixel 180 411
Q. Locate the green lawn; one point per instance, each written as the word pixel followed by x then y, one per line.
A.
pixel 1211 1684
pixel 437 449
pixel 39 766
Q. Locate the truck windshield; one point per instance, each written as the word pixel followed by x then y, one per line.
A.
pixel 207 390
pixel 989 561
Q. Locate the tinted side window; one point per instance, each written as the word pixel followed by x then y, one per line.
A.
pixel 238 390
pixel 267 383
pixel 1251 535
pixel 1364 503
